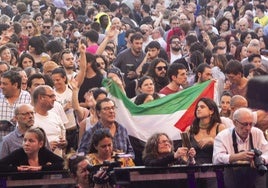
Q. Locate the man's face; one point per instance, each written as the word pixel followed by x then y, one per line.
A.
pixel 8 89
pixel 35 6
pixel 137 46
pixel 175 45
pixel 35 83
pixel 107 112
pixel 153 53
pixel 199 22
pixel 205 76
pixel 161 69
pixel 174 23
pixel 252 50
pixel 257 62
pixel 47 28
pixel 68 60
pixel 208 26
pixel 57 32
pixel 243 125
pixel 181 77
pixel 25 116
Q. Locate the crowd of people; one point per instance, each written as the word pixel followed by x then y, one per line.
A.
pixel 55 54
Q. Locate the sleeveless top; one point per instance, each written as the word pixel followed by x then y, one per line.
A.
pixel 203 155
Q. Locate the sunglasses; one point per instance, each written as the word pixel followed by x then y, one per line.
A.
pixel 161 68
pixel 28 27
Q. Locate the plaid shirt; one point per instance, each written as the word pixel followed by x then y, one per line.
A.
pixel 6 109
pixel 120 140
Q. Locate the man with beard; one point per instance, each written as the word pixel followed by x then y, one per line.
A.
pixel 175 48
pixel 158 72
pixel 128 60
pixel 67 62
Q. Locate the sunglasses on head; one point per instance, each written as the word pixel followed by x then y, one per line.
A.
pixel 161 68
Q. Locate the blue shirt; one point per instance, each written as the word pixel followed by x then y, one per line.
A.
pixel 120 140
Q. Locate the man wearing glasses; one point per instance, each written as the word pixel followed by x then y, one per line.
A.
pixel 235 145
pixel 43 101
pixel 106 112
pixel 24 115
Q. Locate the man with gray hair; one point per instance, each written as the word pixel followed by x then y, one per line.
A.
pixel 24 116
pixel 240 144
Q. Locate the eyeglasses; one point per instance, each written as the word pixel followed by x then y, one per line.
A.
pixel 28 27
pixel 50 96
pixel 74 156
pixel 245 123
pixel 26 113
pixel 109 108
pixel 46 26
pixel 161 68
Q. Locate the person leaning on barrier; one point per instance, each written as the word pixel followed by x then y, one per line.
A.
pixel 242 144
pixel 33 156
pixel 158 151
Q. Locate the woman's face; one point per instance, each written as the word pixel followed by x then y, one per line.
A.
pixel 224 26
pixel 27 62
pixel 243 53
pixel 260 32
pixel 82 173
pixel 203 111
pixel 105 148
pixel 24 80
pixel 30 29
pixel 31 144
pixel 247 39
pixel 47 15
pixel 225 103
pixel 100 63
pixel 164 145
pixel 147 87
pixel 262 44
pixel 232 49
pixel 6 55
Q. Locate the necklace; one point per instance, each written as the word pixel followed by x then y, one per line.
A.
pixel 203 126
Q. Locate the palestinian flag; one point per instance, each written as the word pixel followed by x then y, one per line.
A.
pixel 170 114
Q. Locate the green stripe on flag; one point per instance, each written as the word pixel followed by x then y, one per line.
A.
pixel 165 105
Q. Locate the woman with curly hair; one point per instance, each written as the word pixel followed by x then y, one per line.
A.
pixel 223 25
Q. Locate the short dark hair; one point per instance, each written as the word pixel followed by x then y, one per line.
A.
pixel 136 36
pixel 97 136
pixel 13 76
pixel 234 67
pixel 152 44
pixel 32 77
pixel 98 105
pixel 252 56
pixel 62 73
pixel 200 69
pixel 92 35
pixel 173 69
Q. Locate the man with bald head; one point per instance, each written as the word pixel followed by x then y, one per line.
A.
pixel 236 102
pixel 43 101
pixel 236 145
pixel 24 116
